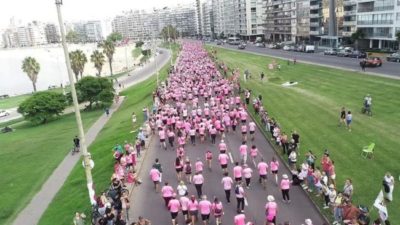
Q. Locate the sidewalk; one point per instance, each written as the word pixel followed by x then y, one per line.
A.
pixel 32 213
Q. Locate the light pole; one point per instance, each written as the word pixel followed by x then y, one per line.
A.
pixel 155 48
pixel 169 38
pixel 86 155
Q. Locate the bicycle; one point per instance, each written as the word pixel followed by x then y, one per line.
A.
pixel 75 149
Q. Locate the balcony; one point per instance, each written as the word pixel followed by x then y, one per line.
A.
pixel 349 23
pixel 349 13
pixel 375 9
pixel 349 2
pixel 314 32
pixel 378 35
pixel 315 24
pixel 379 22
pixel 315 7
pixel 347 33
pixel 315 15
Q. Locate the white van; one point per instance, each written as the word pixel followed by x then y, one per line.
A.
pixel 309 49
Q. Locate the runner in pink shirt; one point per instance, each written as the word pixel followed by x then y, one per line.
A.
pixel 222 146
pixel 174 206
pixel 213 134
pixel 271 210
pixel 167 191
pixel 162 135
pixel 155 177
pixel 237 172
pixel 193 208
pixel 285 186
pixel 218 210
pixel 227 183
pixel 262 171
pixel 247 173
pixel 199 165
pixel 184 200
pixel 243 129
pixel 209 157
pixel 223 161
pixel 243 152
pixel 274 164
pixel 205 208
pixel 252 129
pixel 198 181
pixel 240 219
pixel 253 154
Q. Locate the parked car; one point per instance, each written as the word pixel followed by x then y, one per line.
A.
pixel 242 46
pixel 372 62
pixel 358 54
pixel 344 53
pixel 309 49
pixel 288 48
pixel 4 113
pixel 395 57
pixel 260 44
pixel 331 51
pixel 219 42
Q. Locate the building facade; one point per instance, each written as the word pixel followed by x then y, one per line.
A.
pixel 52 34
pixel 93 31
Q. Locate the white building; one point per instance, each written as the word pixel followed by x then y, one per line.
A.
pixel 93 31
pixel 24 37
pixel 37 33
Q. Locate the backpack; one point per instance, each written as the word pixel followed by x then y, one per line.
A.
pixel 218 209
pixel 188 168
pixel 237 190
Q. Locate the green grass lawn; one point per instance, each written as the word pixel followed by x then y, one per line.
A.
pixel 29 155
pixel 312 108
pixel 136 52
pixel 73 195
pixel 12 102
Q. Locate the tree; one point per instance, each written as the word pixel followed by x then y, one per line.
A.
pixel 356 36
pixel 398 38
pixel 31 67
pixel 114 37
pixel 169 32
pixel 139 44
pixel 109 50
pixel 43 106
pixel 98 59
pixel 95 90
pixel 78 61
pixel 72 37
pixel 222 35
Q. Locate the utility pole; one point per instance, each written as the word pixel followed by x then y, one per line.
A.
pixel 85 154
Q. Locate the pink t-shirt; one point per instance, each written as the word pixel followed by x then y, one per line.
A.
pixel 274 165
pixel 285 184
pixel 161 133
pixel 198 179
pixel 243 150
pixel 155 174
pixel 205 207
pixel 240 219
pixel 199 166
pixel 262 168
pixel 253 152
pixel 223 159
pixel 271 208
pixel 237 171
pixel 247 172
pixel 243 128
pixel 193 206
pixel 174 205
pixel 184 203
pixel 252 126
pixel 227 182
pixel 243 115
pixel 222 146
pixel 167 191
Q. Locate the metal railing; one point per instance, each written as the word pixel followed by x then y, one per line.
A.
pixel 371 22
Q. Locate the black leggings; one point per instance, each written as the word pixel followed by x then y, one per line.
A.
pixel 228 195
pixel 199 190
pixel 285 194
pixel 247 181
pixel 240 203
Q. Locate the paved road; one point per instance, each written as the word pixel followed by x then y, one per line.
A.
pixel 145 202
pixel 388 68
pixel 32 213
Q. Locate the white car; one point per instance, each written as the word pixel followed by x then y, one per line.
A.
pixel 4 113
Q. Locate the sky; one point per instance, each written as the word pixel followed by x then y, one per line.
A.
pixel 73 10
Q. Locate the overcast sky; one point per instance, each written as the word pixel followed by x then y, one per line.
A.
pixel 73 10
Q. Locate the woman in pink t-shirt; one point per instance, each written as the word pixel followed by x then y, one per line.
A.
pixel 199 165
pixel 243 129
pixel 178 167
pixel 240 219
pixel 274 164
pixel 271 210
pixel 193 208
pixel 174 206
pixel 218 210
pixel 252 129
pixel 253 154
pixel 285 186
pixel 209 159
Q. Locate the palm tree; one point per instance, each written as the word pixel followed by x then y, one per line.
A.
pixel 109 50
pixel 78 61
pixel 356 36
pixel 98 59
pixel 169 32
pixel 31 67
pixel 398 38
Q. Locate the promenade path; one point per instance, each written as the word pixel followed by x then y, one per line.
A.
pixel 31 214
pixel 145 202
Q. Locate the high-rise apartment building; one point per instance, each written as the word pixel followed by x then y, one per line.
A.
pixel 281 20
pixel 37 33
pixel 52 34
pixel 93 31
pixel 379 20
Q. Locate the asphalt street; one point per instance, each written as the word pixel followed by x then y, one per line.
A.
pixel 388 68
pixel 145 202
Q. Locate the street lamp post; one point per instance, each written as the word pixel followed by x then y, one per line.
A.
pixel 86 155
pixel 169 38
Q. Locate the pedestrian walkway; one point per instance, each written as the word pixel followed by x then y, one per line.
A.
pixel 200 100
pixel 32 213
